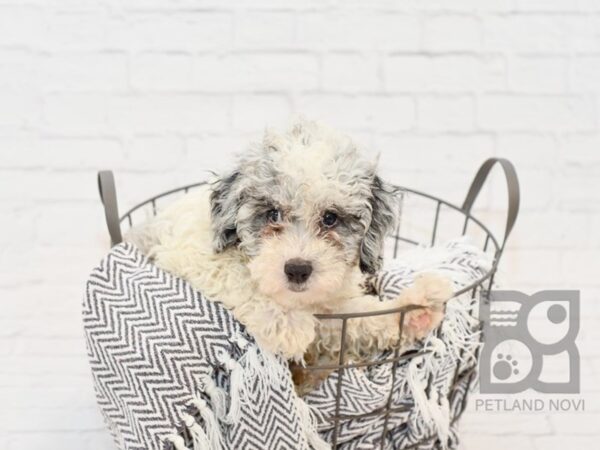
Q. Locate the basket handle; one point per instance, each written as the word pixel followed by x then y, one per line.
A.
pixel 512 183
pixel 108 196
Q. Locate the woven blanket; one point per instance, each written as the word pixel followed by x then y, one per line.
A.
pixel 173 369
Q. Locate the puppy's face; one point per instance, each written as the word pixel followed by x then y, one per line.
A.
pixel 307 211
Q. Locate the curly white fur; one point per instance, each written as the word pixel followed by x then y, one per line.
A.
pixel 232 240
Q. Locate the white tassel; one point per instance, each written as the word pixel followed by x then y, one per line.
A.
pixel 236 381
pixel 211 424
pixel 435 345
pixel 259 368
pixel 240 341
pixel 177 441
pixel 417 388
pixel 254 370
pixel 444 423
pixel 458 334
pixel 438 349
pixel 433 411
pixel 263 367
pixel 439 411
pixel 199 438
pixel 218 397
pixel 276 367
pixel 309 425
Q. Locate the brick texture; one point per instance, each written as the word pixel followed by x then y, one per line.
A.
pixel 163 91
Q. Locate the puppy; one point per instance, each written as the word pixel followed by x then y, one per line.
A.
pixel 296 229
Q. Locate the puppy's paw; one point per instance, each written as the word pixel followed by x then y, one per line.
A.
pixel 430 291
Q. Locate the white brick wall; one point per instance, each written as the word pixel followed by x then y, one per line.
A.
pixel 160 91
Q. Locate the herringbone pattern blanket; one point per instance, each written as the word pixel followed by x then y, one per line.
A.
pixel 175 369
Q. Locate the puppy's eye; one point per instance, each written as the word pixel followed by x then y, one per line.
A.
pixel 274 215
pixel 329 219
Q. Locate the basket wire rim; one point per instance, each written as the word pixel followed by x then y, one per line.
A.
pixel 333 316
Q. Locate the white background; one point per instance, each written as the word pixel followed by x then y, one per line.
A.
pixel 162 90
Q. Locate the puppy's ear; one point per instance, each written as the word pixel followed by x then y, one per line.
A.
pixel 224 205
pixel 384 204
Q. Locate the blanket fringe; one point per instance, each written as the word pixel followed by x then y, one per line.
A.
pixel 200 440
pixel 433 411
pixel 211 424
pixel 236 385
pixel 177 441
pixel 218 397
pixel 255 369
pixel 459 332
pixel 308 422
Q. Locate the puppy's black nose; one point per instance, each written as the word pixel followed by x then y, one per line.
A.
pixel 298 270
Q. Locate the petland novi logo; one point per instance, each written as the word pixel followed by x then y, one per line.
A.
pixel 529 342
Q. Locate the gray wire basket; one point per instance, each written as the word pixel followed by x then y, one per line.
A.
pixel 404 236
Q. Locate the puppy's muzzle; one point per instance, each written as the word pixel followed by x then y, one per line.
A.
pixel 298 271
